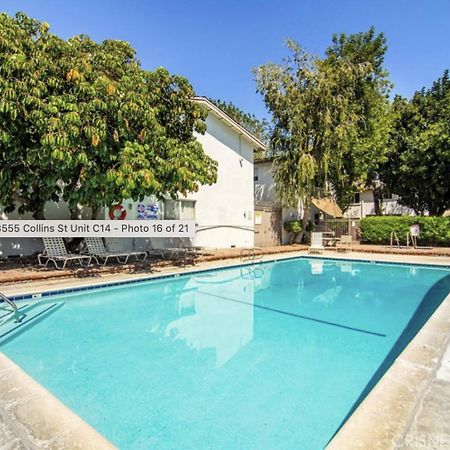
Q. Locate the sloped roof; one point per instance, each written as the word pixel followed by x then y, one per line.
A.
pixel 222 115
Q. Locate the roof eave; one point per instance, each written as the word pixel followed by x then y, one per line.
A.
pixel 230 121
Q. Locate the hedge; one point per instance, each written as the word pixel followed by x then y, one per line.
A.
pixel 433 230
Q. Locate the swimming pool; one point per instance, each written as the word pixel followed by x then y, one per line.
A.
pixel 273 356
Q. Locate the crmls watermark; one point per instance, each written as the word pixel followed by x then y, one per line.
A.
pixel 424 440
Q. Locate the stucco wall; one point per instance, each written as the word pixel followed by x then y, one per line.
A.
pixel 224 210
pixel 264 185
pixel 265 192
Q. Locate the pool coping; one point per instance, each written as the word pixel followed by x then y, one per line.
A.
pixel 380 421
pixel 38 419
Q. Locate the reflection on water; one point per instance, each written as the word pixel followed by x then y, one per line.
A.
pixel 209 321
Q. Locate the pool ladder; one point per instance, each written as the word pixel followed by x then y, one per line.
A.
pixel 15 310
pixel 394 237
pixel 251 254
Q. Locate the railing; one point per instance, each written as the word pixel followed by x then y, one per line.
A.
pixel 17 317
pixel 340 227
pixel 251 254
pixel 394 237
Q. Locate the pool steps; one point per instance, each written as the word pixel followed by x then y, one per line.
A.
pixel 28 314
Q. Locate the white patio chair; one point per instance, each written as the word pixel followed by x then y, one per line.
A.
pixel 174 252
pixel 55 250
pixel 96 249
pixel 197 250
pixel 114 245
pixel 316 243
pixel 345 243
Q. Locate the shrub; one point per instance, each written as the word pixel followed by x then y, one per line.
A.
pixel 293 226
pixel 433 230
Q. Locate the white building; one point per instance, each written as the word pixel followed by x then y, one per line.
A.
pixel 269 214
pixel 363 205
pixel 223 211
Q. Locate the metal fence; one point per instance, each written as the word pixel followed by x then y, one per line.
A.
pixel 340 227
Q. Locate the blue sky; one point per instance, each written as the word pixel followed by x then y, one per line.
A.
pixel 215 44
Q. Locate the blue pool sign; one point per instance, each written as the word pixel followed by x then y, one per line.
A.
pixel 147 212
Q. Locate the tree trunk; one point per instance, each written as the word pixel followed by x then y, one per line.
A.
pixel 39 213
pixel 305 221
pixel 378 200
pixel 95 211
pixel 293 238
pixel 75 213
pixel 73 243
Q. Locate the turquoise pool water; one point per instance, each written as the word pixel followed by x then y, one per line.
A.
pixel 270 357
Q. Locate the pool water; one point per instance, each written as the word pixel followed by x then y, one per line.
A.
pixel 273 356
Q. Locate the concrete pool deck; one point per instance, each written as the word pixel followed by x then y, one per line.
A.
pixel 409 408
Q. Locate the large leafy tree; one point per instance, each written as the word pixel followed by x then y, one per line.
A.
pixel 418 165
pixel 361 161
pixel 26 53
pixel 83 121
pixel 316 121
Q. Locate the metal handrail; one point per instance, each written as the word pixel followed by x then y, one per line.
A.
pixel 394 236
pixel 251 254
pixel 17 317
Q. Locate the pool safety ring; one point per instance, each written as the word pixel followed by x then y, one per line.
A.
pixel 117 212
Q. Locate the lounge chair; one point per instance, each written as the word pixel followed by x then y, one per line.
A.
pixel 156 251
pixel 316 243
pixel 178 252
pixel 167 252
pixel 114 245
pixel 181 253
pixel 55 250
pixel 345 243
pixel 195 249
pixel 97 250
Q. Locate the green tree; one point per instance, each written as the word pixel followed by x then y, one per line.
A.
pixel 316 120
pixel 84 122
pixel 418 165
pixel 27 78
pixel 364 154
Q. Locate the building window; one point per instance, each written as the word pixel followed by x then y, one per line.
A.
pixel 387 195
pixel 255 174
pixel 357 198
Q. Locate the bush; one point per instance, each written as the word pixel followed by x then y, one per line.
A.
pixel 293 226
pixel 433 230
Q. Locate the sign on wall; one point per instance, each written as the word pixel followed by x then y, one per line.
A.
pixel 147 212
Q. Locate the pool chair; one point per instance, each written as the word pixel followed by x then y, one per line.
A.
pixel 172 252
pixel 316 243
pixel 55 251
pixel 177 252
pixel 154 250
pixel 345 243
pixel 114 245
pixel 97 250
pixel 188 247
